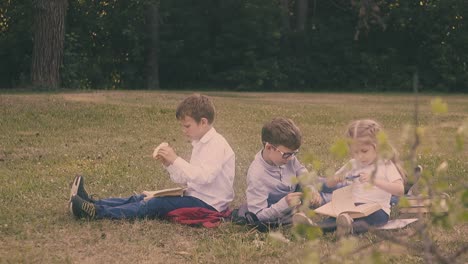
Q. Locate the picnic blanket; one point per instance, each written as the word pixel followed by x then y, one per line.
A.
pixel 198 216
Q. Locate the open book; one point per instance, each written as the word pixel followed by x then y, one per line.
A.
pixel 342 202
pixel 178 191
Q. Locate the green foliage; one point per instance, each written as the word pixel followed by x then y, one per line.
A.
pixel 244 45
pixel 340 148
pixel 307 232
pixel 438 106
pixel 15 43
pixel 461 136
pixel 444 211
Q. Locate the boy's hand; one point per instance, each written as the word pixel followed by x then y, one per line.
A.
pixel 293 199
pixel 167 155
pixel 156 150
pixel 316 199
pixel 148 195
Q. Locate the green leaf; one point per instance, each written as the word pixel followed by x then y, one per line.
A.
pixel 438 106
pixel 279 237
pixel 465 198
pixel 464 217
pixel 308 232
pixel 403 202
pixel 340 148
pixel 348 245
pixel 460 138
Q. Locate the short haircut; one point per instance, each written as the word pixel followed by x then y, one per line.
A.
pixel 196 106
pixel 282 131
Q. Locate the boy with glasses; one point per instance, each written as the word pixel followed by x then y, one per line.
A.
pixel 272 191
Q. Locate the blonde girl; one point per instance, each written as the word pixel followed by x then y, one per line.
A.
pixel 374 178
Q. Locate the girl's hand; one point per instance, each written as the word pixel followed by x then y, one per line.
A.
pixel 167 155
pixel 364 177
pixel 293 199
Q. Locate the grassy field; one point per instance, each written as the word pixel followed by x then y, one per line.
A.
pixel 45 139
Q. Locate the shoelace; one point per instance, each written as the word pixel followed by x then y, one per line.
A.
pixel 89 209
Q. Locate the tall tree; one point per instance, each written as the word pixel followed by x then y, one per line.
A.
pixel 49 33
pixel 302 7
pixel 152 64
pixel 286 25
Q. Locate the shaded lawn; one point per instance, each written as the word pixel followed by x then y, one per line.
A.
pixel 45 139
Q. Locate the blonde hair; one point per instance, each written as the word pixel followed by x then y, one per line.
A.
pixel 365 131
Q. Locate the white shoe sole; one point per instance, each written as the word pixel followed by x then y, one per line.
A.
pixel 302 219
pixel 74 191
pixel 344 225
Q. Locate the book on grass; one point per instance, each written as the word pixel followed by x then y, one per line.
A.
pixel 423 204
pixel 178 191
pixel 342 202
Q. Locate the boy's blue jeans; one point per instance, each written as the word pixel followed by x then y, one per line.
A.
pixel 136 207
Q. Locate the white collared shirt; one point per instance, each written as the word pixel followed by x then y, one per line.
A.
pixel 210 174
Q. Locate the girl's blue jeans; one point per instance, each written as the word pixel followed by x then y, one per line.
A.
pixel 136 207
pixel 360 225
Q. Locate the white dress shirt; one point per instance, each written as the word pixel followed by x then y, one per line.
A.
pixel 210 174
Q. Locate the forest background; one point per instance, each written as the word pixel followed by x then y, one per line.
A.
pixel 237 45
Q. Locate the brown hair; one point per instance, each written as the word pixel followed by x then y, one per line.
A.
pixel 282 131
pixel 196 106
pixel 366 131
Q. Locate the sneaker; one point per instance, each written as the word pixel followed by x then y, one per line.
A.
pixel 82 209
pixel 302 219
pixel 73 191
pixel 77 188
pixel 82 192
pixel 74 186
pixel 344 225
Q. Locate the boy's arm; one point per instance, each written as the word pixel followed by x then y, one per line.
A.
pixel 203 168
pixel 181 171
pixel 257 203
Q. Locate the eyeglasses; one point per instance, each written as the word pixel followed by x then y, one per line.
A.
pixel 285 155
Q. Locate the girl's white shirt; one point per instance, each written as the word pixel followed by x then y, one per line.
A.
pixel 366 192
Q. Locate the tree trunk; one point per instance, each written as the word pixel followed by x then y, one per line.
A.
pixel 302 7
pixel 286 26
pixel 49 33
pixel 152 65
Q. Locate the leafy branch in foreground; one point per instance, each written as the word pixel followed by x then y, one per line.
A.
pixel 447 205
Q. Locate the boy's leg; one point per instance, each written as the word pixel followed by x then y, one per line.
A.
pixel 153 208
pixel 112 202
pixel 112 208
pixel 160 206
